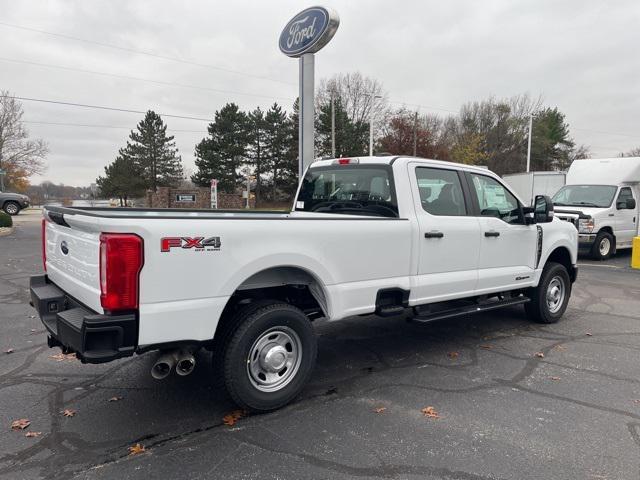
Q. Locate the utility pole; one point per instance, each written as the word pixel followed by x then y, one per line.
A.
pixel 333 127
pixel 529 142
pixel 415 134
pixel 1 172
pixel 373 99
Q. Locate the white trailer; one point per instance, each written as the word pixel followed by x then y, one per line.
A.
pixel 529 184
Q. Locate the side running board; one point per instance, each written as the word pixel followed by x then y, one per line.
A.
pixel 469 309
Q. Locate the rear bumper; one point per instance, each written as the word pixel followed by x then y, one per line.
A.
pixel 94 337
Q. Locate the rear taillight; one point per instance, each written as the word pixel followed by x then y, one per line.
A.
pixel 44 244
pixel 121 259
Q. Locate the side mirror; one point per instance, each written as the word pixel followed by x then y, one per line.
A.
pixel 543 209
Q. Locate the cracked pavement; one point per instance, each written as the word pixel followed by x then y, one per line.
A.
pixel 505 413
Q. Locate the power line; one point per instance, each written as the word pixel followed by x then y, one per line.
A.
pixel 140 79
pixel 93 125
pixel 142 52
pixel 100 107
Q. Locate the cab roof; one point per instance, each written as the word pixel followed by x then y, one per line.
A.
pixel 393 159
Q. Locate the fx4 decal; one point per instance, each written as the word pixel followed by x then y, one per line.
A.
pixel 198 243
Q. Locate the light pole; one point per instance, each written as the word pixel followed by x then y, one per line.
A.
pixel 529 142
pixel 333 127
pixel 373 99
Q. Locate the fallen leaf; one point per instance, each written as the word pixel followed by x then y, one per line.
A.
pixel 560 348
pixel 453 355
pixel 231 418
pixel 8 351
pixel 430 412
pixel 114 399
pixel 539 354
pixel 32 434
pixel 555 379
pixel 67 412
pixel 20 424
pixel 589 334
pixel 486 347
pixel 380 409
pixel 61 357
pixel 637 400
pixel 136 449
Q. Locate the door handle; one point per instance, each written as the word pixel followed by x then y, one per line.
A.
pixel 433 235
pixel 492 234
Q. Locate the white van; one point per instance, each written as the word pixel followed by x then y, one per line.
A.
pixel 600 199
pixel 528 185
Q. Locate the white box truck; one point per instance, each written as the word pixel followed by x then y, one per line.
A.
pixel 600 199
pixel 529 184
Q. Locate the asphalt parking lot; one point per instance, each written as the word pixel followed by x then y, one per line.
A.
pixel 514 400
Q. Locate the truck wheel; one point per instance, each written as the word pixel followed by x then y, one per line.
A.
pixel 11 208
pixel 269 356
pixel 550 298
pixel 603 246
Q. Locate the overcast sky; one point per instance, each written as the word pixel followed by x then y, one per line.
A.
pixel 581 56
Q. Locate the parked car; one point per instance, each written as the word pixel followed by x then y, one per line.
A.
pixel 528 185
pixel 382 235
pixel 12 203
pixel 600 199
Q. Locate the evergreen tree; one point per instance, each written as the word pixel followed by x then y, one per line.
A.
pixel 281 161
pixel 220 154
pixel 352 137
pixel 551 145
pixel 154 153
pixel 256 150
pixel 122 179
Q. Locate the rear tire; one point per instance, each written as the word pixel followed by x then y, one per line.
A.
pixel 550 298
pixel 268 356
pixel 11 208
pixel 603 246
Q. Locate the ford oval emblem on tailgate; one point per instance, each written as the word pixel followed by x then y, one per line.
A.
pixel 64 247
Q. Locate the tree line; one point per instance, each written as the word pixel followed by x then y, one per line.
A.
pixel 263 145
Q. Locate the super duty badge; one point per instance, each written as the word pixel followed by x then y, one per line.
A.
pixel 187 243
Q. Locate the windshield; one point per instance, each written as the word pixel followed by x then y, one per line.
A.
pixel 350 190
pixel 585 196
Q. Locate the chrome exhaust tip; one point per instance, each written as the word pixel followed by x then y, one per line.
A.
pixel 185 364
pixel 163 366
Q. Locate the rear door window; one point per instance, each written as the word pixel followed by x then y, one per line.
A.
pixel 440 191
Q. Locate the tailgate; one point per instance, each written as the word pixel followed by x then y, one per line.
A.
pixel 73 262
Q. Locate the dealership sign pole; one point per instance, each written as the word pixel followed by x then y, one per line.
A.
pixel 304 35
pixel 214 193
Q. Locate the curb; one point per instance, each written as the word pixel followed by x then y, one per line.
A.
pixel 8 231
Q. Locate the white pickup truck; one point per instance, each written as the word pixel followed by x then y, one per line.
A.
pixel 365 235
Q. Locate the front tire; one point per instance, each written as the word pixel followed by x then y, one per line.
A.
pixel 603 246
pixel 269 356
pixel 550 298
pixel 11 208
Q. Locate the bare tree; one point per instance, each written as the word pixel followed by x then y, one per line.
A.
pixel 20 157
pixel 634 152
pixel 356 93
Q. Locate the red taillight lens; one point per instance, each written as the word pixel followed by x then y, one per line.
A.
pixel 121 259
pixel 44 244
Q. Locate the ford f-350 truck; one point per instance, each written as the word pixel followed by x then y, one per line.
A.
pixel 373 235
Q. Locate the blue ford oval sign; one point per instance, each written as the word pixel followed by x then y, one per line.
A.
pixel 308 31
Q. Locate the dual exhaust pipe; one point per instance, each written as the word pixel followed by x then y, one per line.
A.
pixel 182 360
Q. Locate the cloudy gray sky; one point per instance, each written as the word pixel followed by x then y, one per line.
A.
pixel 582 56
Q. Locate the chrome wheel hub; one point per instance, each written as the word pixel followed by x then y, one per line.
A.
pixel 555 294
pixel 274 359
pixel 11 209
pixel 605 246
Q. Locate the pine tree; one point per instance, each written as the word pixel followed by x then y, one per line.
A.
pixel 122 179
pixel 352 138
pixel 278 149
pixel 219 155
pixel 154 153
pixel 551 144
